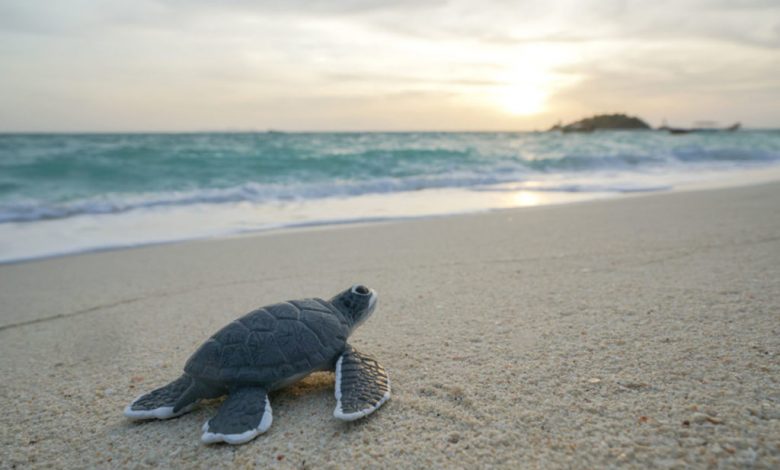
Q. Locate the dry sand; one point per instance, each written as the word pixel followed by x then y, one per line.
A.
pixel 636 332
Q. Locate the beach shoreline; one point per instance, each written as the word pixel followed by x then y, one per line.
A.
pixel 633 331
pixel 23 242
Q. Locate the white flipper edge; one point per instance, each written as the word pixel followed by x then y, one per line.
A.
pixel 163 412
pixel 246 436
pixel 338 413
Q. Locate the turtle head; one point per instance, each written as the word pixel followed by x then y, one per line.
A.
pixel 356 304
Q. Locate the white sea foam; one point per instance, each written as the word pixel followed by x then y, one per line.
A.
pixel 164 224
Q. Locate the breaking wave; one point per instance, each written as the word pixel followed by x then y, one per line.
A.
pixel 58 176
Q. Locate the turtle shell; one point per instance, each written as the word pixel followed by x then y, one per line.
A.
pixel 273 343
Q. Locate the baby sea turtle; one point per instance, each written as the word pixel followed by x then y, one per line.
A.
pixel 267 349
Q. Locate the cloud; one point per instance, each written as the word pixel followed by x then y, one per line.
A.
pixel 74 16
pixel 754 22
pixel 520 22
pixel 274 63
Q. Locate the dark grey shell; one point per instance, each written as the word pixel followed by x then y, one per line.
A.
pixel 273 343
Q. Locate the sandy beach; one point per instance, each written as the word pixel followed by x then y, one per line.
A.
pixel 642 331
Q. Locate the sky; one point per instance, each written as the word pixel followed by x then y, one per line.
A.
pixel 237 65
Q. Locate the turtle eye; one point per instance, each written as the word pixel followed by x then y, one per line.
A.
pixel 361 290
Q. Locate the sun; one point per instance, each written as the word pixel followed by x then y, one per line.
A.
pixel 525 88
pixel 523 99
pixel 525 83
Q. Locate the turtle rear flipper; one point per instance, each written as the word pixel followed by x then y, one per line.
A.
pixel 159 403
pixel 170 401
pixel 245 414
pixel 362 385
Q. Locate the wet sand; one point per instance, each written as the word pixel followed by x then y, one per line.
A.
pixel 642 331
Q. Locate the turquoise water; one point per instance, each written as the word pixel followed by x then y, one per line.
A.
pixel 61 177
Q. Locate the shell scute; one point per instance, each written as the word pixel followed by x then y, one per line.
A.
pixel 259 320
pixel 210 354
pixel 308 343
pixel 287 337
pixel 234 333
pixel 234 356
pixel 324 326
pixel 284 311
pixel 311 304
pixel 268 353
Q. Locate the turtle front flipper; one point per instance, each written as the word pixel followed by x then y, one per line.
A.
pixel 161 403
pixel 362 385
pixel 245 414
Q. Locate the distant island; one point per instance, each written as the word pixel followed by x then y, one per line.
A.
pixel 626 122
pixel 603 121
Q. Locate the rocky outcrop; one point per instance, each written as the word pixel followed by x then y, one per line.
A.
pixel 603 121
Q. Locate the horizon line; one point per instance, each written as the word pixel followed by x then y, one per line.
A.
pixel 281 131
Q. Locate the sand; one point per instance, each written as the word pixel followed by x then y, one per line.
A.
pixel 642 331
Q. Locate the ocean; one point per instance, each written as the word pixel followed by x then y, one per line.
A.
pixel 67 193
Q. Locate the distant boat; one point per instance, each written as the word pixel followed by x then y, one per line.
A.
pixel 680 130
